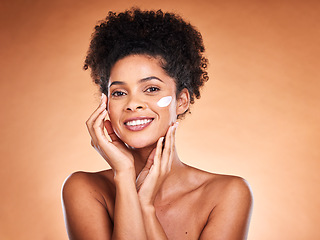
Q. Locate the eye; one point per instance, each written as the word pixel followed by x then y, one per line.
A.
pixel 118 93
pixel 152 89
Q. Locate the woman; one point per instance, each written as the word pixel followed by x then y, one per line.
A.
pixel 149 66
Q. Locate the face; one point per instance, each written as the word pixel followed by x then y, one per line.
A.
pixel 138 97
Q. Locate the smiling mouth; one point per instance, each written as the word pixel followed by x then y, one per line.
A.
pixel 138 124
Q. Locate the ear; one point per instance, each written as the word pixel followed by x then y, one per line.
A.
pixel 183 101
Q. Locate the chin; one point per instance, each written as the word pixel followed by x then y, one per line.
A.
pixel 141 139
pixel 139 143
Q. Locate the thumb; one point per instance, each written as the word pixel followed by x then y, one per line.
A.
pixel 145 171
pixel 149 162
pixel 110 131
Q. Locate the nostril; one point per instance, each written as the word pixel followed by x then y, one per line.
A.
pixel 134 107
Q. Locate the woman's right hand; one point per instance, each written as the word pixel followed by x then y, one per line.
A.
pixel 115 152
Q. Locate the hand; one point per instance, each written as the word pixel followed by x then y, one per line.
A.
pixel 157 168
pixel 115 151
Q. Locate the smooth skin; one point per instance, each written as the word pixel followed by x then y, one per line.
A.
pixel 149 193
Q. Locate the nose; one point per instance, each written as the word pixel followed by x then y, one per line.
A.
pixel 135 104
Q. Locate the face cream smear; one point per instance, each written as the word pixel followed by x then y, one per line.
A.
pixel 164 102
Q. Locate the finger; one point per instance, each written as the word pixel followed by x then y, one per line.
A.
pixel 167 147
pixel 90 122
pixel 110 131
pixel 102 106
pixel 157 156
pixel 146 169
pixel 98 127
pixel 151 170
pixel 169 156
pixel 150 159
pixel 99 109
pixel 173 144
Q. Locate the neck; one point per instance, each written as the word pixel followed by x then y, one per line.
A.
pixel 172 181
pixel 140 156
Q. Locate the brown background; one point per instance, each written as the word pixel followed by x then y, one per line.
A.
pixel 258 116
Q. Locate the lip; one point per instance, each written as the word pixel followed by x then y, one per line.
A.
pixel 140 126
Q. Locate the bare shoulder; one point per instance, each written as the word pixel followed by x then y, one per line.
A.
pixel 230 187
pixel 86 200
pixel 88 184
pixel 229 201
pixel 89 177
pixel 221 188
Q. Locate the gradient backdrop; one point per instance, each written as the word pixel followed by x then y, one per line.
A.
pixel 259 115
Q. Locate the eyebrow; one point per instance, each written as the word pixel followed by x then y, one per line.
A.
pixel 140 81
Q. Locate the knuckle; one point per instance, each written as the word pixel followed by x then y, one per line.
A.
pixel 95 126
pixel 88 122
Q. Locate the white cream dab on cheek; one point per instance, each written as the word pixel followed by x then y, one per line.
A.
pixel 164 102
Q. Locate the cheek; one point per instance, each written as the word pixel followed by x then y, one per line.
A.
pixel 113 112
pixel 165 107
pixel 164 102
pixel 110 110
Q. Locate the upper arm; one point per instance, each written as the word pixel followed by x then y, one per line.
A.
pixel 85 215
pixel 230 218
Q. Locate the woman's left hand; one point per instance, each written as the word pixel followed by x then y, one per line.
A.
pixel 157 168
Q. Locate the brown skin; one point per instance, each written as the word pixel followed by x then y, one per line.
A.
pixel 149 193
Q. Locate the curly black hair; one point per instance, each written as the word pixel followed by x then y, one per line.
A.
pixel 158 34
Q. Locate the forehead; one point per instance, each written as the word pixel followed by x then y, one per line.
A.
pixel 134 68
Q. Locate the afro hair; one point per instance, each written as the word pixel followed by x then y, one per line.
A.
pixel 158 34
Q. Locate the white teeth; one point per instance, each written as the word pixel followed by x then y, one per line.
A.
pixel 138 122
